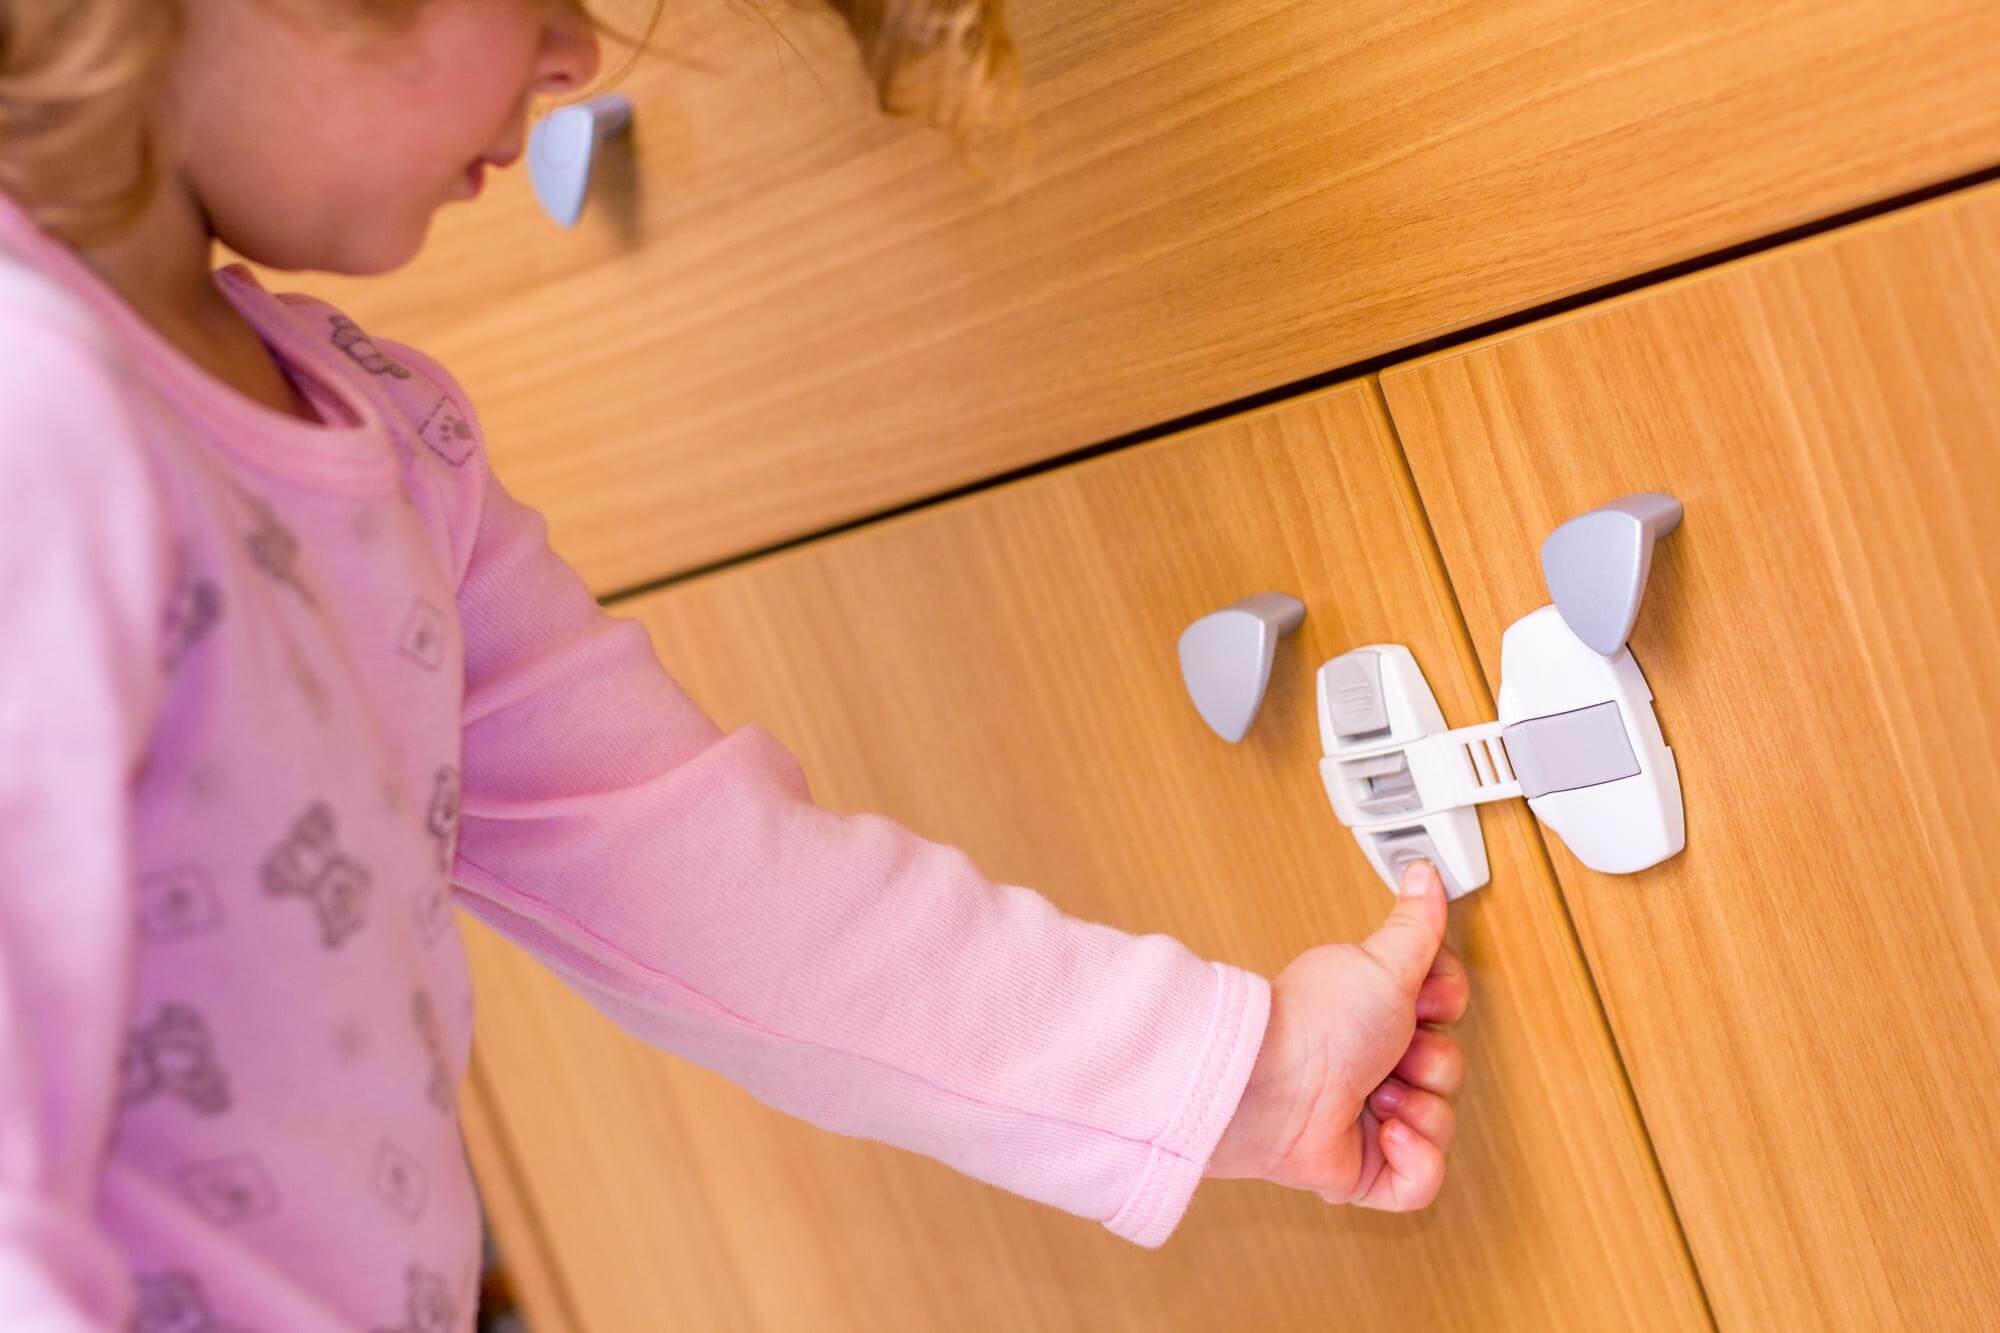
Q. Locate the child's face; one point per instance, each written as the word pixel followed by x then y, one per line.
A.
pixel 308 150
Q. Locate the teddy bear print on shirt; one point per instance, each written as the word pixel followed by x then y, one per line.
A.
pixel 425 1013
pixel 427 1305
pixel 309 864
pixel 349 338
pixel 274 548
pixel 173 1302
pixel 193 607
pixel 175 1055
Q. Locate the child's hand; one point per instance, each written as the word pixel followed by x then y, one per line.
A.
pixel 1347 1097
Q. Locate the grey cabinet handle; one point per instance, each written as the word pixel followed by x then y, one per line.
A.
pixel 1597 563
pixel 1226 658
pixel 563 148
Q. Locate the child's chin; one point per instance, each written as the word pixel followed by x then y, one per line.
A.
pixel 386 253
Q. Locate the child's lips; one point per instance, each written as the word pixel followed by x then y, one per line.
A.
pixel 475 173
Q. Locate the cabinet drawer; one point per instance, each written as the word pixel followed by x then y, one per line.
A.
pixel 790 313
pixel 1000 672
pixel 1806 998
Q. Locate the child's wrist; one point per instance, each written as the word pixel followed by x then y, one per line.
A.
pixel 1244 1150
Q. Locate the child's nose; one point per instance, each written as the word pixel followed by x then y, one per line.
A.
pixel 570 56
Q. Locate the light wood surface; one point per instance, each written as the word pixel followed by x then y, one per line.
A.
pixel 784 312
pixel 1807 997
pixel 510 1213
pixel 1001 672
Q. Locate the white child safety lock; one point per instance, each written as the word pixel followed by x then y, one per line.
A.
pixel 1576 735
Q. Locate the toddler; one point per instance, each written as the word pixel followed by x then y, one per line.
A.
pixel 286 675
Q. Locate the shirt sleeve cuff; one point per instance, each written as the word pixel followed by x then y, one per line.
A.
pixel 1180 1154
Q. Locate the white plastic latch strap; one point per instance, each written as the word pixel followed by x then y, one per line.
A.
pixel 1468 766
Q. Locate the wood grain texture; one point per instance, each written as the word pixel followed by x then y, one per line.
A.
pixel 786 312
pixel 1000 672
pixel 1807 997
pixel 511 1214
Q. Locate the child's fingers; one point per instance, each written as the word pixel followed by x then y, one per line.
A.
pixel 1412 1170
pixel 1426 1112
pixel 1371 1157
pixel 1446 991
pixel 1433 1062
pixel 1407 943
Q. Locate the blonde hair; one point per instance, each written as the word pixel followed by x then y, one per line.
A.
pixel 77 78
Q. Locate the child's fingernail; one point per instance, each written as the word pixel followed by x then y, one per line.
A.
pixel 1387 1098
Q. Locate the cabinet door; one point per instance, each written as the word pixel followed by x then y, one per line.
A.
pixel 1001 672
pixel 1807 998
pixel 783 312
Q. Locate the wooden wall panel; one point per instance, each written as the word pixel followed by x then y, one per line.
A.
pixel 785 312
pixel 1808 997
pixel 1000 672
pixel 525 1253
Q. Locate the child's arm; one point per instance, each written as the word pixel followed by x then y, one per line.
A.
pixel 841 968
pixel 83 564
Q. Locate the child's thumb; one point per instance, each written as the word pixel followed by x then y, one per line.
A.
pixel 1407 943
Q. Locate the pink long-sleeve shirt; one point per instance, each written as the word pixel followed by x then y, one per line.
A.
pixel 275 695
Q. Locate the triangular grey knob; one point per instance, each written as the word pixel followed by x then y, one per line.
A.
pixel 563 148
pixel 1596 566
pixel 1226 658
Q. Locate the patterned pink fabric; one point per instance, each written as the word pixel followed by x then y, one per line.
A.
pixel 275 695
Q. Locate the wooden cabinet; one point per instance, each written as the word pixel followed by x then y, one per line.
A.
pixel 784 313
pixel 1000 672
pixel 1808 998
pixel 1746 1089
